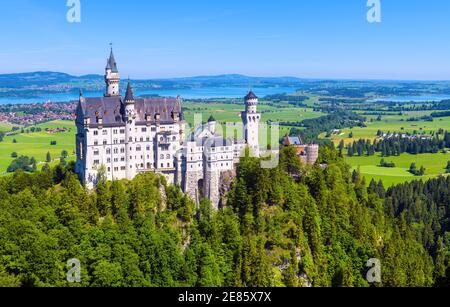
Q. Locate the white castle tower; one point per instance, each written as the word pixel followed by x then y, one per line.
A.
pixel 112 77
pixel 130 124
pixel 251 119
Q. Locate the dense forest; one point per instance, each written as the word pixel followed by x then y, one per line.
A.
pixel 339 119
pixel 294 225
pixel 396 145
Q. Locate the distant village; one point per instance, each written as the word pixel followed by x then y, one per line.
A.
pixel 37 113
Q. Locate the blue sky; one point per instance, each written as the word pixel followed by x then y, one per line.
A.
pixel 174 38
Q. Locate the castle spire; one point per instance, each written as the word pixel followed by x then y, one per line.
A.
pixel 112 64
pixel 112 77
pixel 129 96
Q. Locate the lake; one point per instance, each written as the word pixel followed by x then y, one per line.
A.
pixel 192 93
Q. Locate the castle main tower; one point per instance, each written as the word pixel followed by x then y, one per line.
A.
pixel 112 77
pixel 251 119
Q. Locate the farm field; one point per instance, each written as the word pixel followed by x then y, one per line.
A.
pixel 38 144
pixel 4 127
pixel 435 165
pixel 224 113
pixel 231 113
pixel 392 124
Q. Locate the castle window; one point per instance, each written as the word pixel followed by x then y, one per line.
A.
pixel 122 131
pixel 168 157
pixel 108 160
pixel 105 132
pixel 108 151
pixel 96 153
pixel 122 150
pixel 144 129
pixel 148 148
pixel 116 169
pixel 138 148
pixel 95 132
pixel 161 157
pixel 95 143
pixel 115 131
pixel 105 142
pixel 96 162
pixel 142 139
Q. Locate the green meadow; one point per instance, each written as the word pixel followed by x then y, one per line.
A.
pixel 5 127
pixel 224 113
pixel 392 124
pixel 38 144
pixel 435 165
pixel 231 113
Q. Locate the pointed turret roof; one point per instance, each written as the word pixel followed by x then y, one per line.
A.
pixel 211 119
pixel 111 63
pixel 129 95
pixel 251 95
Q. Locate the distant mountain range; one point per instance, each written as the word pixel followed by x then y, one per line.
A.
pixel 56 81
pixel 36 85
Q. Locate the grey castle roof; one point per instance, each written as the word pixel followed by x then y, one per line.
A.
pixel 129 95
pixel 213 142
pixel 251 95
pixel 111 110
pixel 111 63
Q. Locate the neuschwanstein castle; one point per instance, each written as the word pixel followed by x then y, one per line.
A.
pixel 126 136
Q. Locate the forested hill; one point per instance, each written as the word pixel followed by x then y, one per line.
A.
pixel 294 225
pixel 56 81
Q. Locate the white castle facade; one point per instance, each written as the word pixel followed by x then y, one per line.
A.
pixel 122 137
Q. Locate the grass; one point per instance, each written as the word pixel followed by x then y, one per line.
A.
pixel 392 124
pixel 224 113
pixel 231 113
pixel 38 144
pixel 5 127
pixel 435 165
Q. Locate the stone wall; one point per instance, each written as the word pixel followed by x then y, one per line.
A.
pixel 191 184
pixel 211 186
